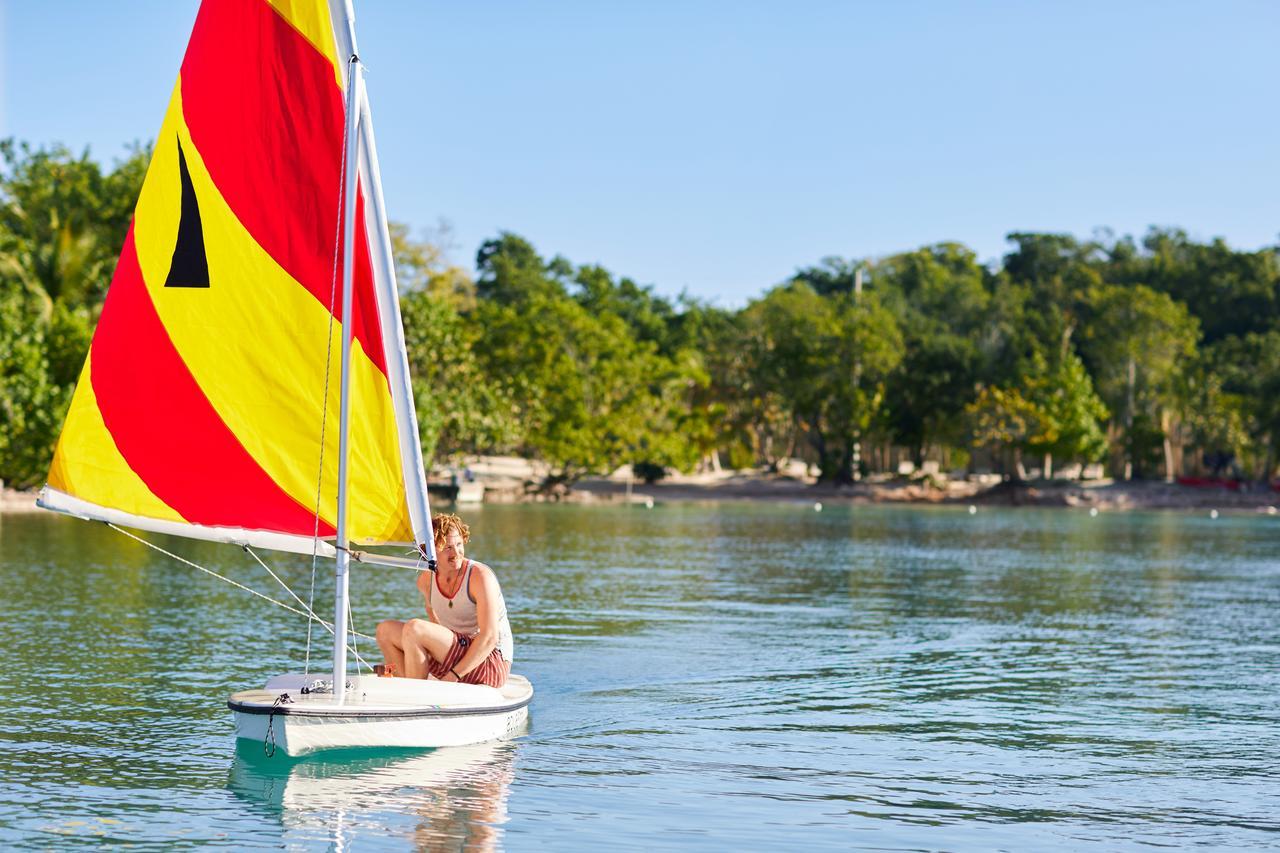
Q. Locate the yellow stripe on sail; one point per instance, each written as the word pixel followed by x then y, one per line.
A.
pixel 311 18
pixel 255 342
pixel 87 465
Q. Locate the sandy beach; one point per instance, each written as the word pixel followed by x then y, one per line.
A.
pixel 508 479
pixel 512 479
pixel 1103 495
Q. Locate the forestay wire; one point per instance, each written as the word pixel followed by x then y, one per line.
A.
pixel 308 613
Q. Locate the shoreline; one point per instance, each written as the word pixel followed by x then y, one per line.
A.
pixel 507 480
pixel 1100 495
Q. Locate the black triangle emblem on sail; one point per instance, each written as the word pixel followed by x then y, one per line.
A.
pixel 190 265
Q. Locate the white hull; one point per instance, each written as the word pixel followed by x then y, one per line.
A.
pixel 379 712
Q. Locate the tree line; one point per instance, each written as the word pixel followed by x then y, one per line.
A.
pixel 1157 357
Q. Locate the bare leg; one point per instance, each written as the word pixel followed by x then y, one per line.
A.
pixel 388 637
pixel 421 639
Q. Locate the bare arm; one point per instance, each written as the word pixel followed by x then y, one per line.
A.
pixel 484 589
pixel 425 579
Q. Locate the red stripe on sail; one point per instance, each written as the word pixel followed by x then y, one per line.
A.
pixel 267 117
pixel 166 428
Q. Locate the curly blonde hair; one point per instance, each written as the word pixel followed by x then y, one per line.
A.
pixel 445 523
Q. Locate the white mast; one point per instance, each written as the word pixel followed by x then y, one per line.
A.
pixel 362 161
pixel 343 558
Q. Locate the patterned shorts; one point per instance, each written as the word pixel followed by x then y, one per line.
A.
pixel 492 671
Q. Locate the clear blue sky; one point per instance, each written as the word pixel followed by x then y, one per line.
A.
pixel 716 147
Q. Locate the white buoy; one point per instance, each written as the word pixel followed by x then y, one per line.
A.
pixel 1272 510
pixel 972 509
pixel 1093 512
pixel 1213 513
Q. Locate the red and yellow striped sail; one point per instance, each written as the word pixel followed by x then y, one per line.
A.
pixel 203 396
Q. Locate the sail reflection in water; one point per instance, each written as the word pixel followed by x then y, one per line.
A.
pixel 445 799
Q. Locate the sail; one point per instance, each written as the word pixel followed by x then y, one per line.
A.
pixel 214 365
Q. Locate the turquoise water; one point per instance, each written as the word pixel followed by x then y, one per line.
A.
pixel 708 676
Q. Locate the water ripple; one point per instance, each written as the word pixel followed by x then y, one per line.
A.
pixel 714 676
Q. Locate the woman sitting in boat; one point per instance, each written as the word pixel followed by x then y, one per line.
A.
pixel 468 638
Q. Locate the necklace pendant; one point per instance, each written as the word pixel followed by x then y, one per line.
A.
pixel 450 603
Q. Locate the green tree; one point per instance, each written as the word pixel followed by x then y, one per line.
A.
pixel 1248 370
pixel 63 221
pixel 1005 422
pixel 1069 412
pixel 939 297
pixel 1140 340
pixel 583 387
pixel 579 382
pixel 827 359
pixel 832 275
pixel 510 271
pixel 648 316
pixel 684 423
pixel 423 265
pixel 1214 416
pixel 1232 293
pixel 1058 272
pixel 733 412
pixel 460 408
pixel 1050 412
pixel 32 402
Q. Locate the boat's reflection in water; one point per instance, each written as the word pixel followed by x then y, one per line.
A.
pixel 453 798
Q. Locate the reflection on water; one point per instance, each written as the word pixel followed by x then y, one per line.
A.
pixel 455 797
pixel 707 676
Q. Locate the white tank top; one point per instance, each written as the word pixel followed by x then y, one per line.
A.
pixel 458 613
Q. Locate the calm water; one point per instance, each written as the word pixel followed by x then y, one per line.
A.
pixel 707 676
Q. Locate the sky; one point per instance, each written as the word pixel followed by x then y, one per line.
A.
pixel 714 148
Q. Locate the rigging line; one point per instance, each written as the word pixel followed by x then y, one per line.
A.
pixel 355 644
pixel 328 359
pixel 311 613
pixel 234 583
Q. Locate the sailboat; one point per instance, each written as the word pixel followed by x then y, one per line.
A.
pixel 257 265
